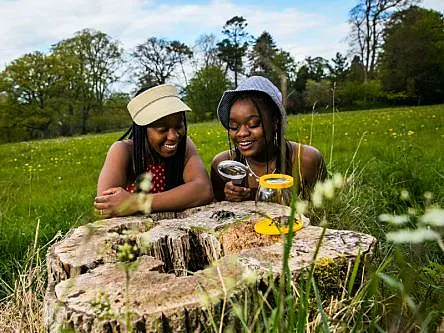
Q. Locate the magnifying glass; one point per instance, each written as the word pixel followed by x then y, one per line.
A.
pixel 232 170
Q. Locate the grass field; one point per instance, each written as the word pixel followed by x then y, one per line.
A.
pixel 52 182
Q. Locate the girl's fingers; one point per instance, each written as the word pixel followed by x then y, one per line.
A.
pixel 111 191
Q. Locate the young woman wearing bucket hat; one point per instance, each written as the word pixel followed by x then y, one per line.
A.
pixel 256 121
pixel 158 144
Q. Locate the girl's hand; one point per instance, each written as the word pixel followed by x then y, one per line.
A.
pixel 236 193
pixel 115 201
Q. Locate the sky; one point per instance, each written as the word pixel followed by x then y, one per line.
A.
pixel 302 27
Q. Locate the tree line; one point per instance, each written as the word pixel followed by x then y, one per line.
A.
pixel 395 58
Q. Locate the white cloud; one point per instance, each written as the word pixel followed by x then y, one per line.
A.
pixel 31 25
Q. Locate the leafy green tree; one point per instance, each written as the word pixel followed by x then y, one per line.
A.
pixel 413 55
pixel 91 60
pixel 310 69
pixel 158 58
pixel 262 54
pixel 338 69
pixel 204 91
pixel 318 93
pixel 114 114
pixel 367 20
pixel 30 85
pixel 357 71
pixel 317 67
pixel 233 48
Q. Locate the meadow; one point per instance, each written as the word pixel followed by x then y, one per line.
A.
pixel 393 158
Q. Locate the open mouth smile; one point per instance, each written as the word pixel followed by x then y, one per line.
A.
pixel 170 147
pixel 245 145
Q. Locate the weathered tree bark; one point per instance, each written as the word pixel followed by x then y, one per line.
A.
pixel 187 265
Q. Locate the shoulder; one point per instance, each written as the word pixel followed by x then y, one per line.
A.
pixel 190 148
pixel 222 156
pixel 307 155
pixel 121 147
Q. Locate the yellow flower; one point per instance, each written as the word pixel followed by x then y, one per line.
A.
pixel 410 133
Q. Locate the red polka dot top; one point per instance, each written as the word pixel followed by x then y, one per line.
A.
pixel 158 181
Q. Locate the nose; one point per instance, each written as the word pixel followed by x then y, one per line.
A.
pixel 243 131
pixel 173 134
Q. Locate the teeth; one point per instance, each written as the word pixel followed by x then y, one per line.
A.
pixel 244 144
pixel 170 146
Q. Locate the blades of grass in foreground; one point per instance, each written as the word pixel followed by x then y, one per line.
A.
pixel 351 282
pixel 320 308
pixel 305 295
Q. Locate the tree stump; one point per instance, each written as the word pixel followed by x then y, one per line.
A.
pixel 186 266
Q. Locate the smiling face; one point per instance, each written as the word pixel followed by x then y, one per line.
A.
pixel 165 134
pixel 251 132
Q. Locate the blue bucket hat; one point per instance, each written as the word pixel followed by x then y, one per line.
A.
pixel 253 83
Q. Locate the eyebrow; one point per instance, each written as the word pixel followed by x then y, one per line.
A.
pixel 247 118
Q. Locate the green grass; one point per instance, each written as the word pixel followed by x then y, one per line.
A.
pixel 385 150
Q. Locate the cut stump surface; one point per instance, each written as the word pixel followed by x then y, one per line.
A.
pixel 185 263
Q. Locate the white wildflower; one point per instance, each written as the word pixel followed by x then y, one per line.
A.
pixel 411 211
pixel 329 189
pixel 412 236
pixel 395 219
pixel 144 202
pixel 433 217
pixel 316 198
pixel 338 180
pixel 317 194
pixel 145 184
pixel 301 207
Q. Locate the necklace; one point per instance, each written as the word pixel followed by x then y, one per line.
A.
pixel 252 173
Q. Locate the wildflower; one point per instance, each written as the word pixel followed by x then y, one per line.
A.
pixel 316 197
pixel 301 206
pixel 249 276
pixel 394 219
pixel 338 180
pixel 417 236
pixel 145 184
pixel 126 252
pixel 404 195
pixel 428 195
pixel 329 189
pixel 410 133
pixel 433 217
